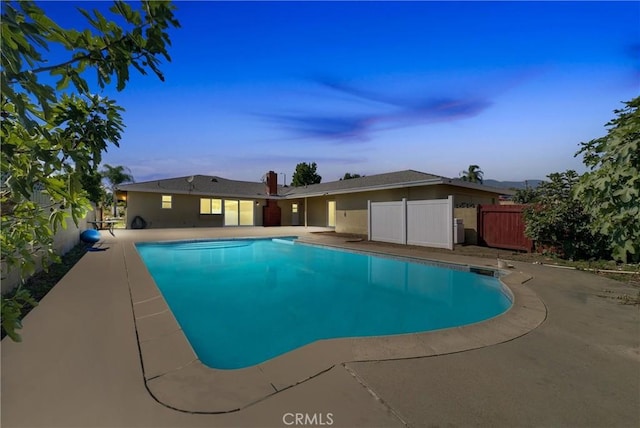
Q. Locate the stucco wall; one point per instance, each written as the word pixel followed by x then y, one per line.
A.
pixel 63 241
pixel 352 221
pixel 469 218
pixel 467 196
pixel 184 212
pixel 287 213
pixel 351 208
pixel 316 211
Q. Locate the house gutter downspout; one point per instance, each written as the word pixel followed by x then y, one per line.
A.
pixel 305 212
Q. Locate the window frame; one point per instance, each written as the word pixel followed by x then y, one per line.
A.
pixel 166 204
pixel 211 211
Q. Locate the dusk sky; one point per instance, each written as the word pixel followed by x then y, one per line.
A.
pixel 374 87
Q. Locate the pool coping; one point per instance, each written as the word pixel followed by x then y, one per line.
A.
pixel 176 378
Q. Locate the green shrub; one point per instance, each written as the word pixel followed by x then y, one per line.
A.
pixel 558 222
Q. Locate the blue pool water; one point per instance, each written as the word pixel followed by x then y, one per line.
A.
pixel 242 302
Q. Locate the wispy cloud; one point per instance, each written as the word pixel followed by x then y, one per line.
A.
pixel 352 127
pixel 443 109
pixel 415 107
pixel 390 111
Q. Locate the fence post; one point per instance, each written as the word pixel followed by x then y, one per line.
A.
pixel 369 220
pixel 404 221
pixel 479 225
pixel 450 221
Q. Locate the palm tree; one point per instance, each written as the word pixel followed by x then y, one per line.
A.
pixel 474 174
pixel 116 175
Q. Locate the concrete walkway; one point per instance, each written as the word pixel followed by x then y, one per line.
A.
pixel 80 365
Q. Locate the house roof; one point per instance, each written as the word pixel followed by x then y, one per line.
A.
pixel 391 180
pixel 218 186
pixel 373 182
pixel 200 185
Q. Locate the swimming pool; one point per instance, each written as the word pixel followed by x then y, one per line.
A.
pixel 242 302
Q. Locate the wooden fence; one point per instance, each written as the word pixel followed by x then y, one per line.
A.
pixel 502 226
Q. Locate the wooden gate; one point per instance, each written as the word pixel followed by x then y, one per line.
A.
pixel 502 226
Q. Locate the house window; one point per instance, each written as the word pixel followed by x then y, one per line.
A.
pixel 166 202
pixel 294 208
pixel 210 206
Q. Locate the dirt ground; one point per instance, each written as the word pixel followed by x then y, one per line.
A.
pixel 462 249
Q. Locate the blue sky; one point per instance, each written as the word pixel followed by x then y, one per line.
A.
pixel 373 87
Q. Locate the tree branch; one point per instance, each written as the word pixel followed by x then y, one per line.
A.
pixel 87 56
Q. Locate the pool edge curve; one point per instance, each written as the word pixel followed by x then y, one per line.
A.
pixel 177 379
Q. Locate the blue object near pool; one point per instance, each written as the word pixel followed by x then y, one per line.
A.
pixel 242 302
pixel 90 236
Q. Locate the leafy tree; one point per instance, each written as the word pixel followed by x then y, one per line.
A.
pixel 610 191
pixel 51 137
pixel 12 312
pixel 349 176
pixel 92 184
pixel 559 222
pixel 473 174
pixel 525 196
pixel 305 174
pixel 116 175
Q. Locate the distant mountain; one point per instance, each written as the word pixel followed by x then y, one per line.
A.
pixel 512 184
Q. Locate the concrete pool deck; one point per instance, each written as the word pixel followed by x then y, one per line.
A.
pixel 101 350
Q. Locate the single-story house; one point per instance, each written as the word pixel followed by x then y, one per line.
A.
pixel 208 201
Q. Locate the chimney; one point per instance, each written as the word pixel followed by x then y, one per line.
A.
pixel 272 183
pixel 271 213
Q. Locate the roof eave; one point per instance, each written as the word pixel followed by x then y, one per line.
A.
pixel 476 186
pixel 311 193
pixel 366 189
pixel 208 194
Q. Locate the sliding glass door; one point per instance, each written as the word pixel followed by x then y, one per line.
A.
pixel 246 213
pixel 331 213
pixel 238 213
